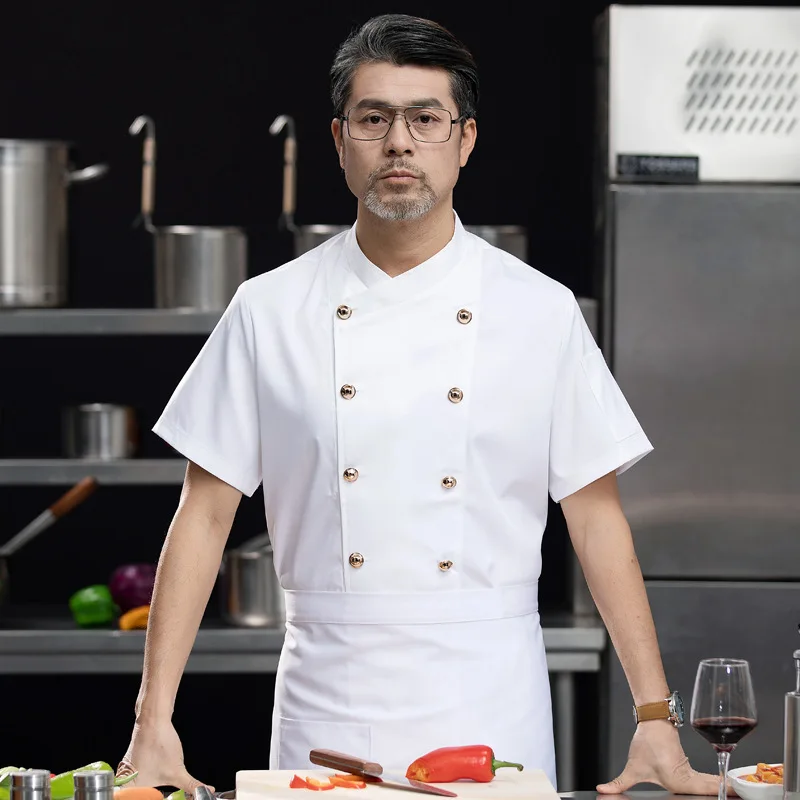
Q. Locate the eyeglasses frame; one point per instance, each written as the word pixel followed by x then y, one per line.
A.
pixel 459 118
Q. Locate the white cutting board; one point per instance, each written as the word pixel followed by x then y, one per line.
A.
pixel 267 784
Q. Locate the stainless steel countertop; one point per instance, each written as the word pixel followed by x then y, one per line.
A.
pixel 45 640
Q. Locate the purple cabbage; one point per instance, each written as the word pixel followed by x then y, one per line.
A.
pixel 131 585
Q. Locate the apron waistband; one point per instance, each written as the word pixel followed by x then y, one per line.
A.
pixel 384 608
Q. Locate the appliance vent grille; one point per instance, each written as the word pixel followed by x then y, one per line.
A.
pixel 741 91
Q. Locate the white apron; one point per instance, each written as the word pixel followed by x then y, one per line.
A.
pixel 407 431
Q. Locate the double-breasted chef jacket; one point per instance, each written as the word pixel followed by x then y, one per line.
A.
pixel 407 432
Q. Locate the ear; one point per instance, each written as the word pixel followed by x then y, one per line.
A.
pixel 338 138
pixel 469 133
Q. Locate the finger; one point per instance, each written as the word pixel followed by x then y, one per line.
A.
pixel 619 784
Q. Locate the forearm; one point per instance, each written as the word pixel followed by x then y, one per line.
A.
pixel 187 570
pixel 604 546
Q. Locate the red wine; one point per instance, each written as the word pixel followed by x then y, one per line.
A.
pixel 724 732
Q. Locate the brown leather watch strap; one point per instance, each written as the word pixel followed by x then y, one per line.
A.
pixel 648 711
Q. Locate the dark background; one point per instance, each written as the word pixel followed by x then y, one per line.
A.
pixel 213 77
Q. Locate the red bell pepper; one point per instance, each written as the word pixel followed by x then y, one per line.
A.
pixel 473 762
pixel 318 786
pixel 298 783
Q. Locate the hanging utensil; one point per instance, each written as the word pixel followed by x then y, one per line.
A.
pixel 71 499
pixel 148 168
pixel 369 769
pixel 289 170
pixel 197 268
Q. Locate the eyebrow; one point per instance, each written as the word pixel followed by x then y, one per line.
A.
pixel 425 102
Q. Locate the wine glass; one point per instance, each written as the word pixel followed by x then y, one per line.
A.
pixel 723 708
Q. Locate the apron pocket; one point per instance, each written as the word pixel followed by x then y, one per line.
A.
pixel 298 737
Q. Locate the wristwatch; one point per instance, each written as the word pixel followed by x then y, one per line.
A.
pixel 671 708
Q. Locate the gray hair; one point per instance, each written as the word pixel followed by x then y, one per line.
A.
pixel 401 39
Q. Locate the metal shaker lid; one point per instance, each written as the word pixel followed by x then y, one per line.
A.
pixel 93 780
pixel 32 784
pixel 31 779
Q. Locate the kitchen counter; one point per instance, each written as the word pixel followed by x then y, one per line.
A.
pixel 44 640
pixel 41 639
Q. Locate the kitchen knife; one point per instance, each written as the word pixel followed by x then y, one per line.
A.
pixel 369 769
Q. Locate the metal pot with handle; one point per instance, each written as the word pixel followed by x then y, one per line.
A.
pixel 250 595
pixel 306 237
pixel 74 497
pixel 34 179
pixel 196 267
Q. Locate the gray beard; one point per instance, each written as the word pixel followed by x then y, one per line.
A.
pixel 397 207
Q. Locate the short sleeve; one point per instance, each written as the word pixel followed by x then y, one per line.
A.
pixel 212 417
pixel 593 429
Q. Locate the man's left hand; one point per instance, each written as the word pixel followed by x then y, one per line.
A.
pixel 656 756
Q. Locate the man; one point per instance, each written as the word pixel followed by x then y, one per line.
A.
pixel 408 395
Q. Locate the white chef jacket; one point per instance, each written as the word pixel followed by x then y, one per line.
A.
pixel 407 432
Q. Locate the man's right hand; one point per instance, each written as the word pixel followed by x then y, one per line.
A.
pixel 155 751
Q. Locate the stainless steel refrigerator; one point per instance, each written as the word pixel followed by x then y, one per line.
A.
pixel 698 235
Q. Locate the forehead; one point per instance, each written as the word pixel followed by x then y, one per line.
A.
pixel 401 86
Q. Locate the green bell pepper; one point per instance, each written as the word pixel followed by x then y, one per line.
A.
pixel 5 780
pixel 93 605
pixel 62 787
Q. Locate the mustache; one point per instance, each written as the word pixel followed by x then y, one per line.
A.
pixel 381 172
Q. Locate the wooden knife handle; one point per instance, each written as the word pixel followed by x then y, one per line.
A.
pixel 345 763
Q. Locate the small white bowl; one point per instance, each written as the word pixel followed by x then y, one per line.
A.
pixel 748 790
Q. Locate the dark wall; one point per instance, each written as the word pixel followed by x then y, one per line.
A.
pixel 214 76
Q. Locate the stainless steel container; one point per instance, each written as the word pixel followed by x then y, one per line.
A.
pixel 34 178
pixel 32 784
pixel 250 595
pixel 100 431
pixel 791 746
pixel 94 785
pixel 511 238
pixel 307 237
pixel 199 268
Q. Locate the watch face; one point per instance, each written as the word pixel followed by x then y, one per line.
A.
pixel 676 706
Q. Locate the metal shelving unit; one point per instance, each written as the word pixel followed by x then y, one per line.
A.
pixel 38 472
pixel 106 322
pixel 100 322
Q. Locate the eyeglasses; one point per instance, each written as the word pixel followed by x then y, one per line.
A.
pixel 425 124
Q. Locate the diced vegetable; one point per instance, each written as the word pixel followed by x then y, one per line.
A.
pixel 347 783
pixel 131 585
pixel 318 786
pixel 298 783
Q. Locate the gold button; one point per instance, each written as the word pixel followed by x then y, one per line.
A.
pixel 449 482
pixel 356 560
pixel 445 565
pixel 347 391
pixel 455 395
pixel 350 474
pixel 344 312
pixel 464 316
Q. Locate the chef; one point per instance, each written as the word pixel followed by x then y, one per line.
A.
pixel 408 396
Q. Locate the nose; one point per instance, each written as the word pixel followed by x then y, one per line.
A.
pixel 399 139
